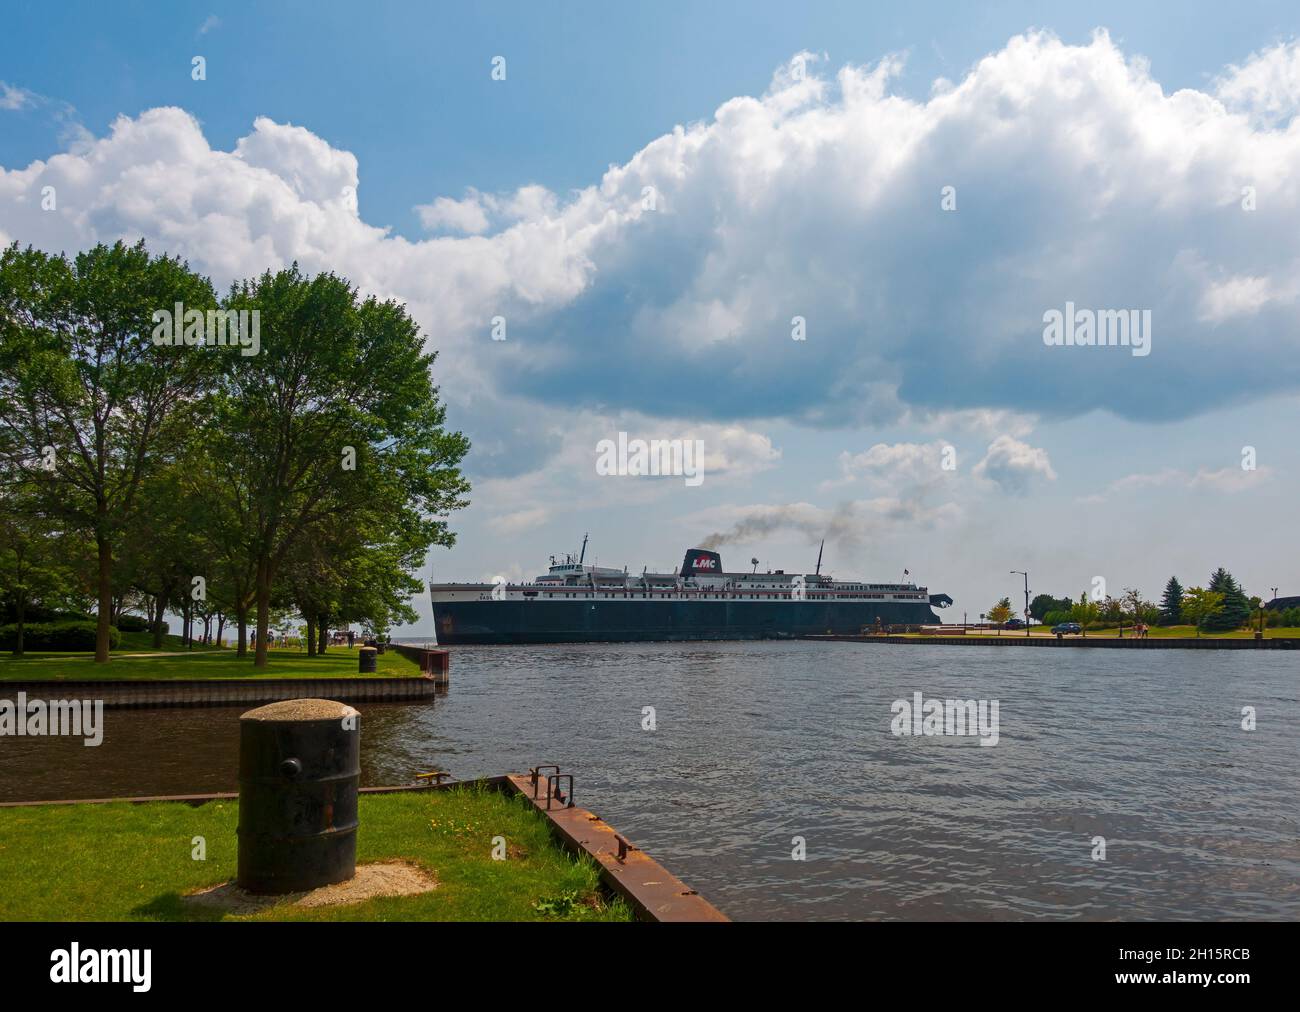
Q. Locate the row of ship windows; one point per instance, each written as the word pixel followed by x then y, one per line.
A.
pixel 733 597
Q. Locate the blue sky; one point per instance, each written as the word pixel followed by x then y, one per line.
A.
pixel 1105 170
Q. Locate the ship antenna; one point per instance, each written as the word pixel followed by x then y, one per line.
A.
pixel 755 562
pixel 584 549
pixel 819 558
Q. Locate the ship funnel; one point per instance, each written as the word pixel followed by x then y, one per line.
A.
pixel 701 562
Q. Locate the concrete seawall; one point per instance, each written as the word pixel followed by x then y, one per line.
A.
pixel 226 691
pixel 433 661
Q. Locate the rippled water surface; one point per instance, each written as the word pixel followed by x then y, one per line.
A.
pixel 758 743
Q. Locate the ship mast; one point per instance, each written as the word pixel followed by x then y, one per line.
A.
pixel 584 549
pixel 818 571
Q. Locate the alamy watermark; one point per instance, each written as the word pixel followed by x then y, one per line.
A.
pixel 75 965
pixel 1128 328
pixel 653 457
pixel 81 718
pixel 960 717
pixel 221 328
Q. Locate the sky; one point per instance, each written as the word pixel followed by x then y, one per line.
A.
pixel 824 240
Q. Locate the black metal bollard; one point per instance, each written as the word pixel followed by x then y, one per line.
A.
pixel 299 768
pixel 367 660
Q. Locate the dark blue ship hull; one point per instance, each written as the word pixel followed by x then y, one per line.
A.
pixel 615 621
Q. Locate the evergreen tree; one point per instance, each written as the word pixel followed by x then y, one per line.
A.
pixel 1235 611
pixel 1171 604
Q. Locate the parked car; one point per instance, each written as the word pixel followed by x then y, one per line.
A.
pixel 1066 628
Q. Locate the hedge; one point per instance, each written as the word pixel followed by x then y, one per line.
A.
pixel 56 636
pixel 132 623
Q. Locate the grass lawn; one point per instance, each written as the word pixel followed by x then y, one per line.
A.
pixel 137 660
pixel 134 862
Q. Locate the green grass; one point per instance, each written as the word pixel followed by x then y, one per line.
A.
pixel 134 862
pixel 133 662
pixel 142 642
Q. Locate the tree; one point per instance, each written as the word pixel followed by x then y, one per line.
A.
pixel 1171 603
pixel 1200 604
pixel 1000 613
pixel 338 417
pixel 1257 607
pixel 1044 604
pixel 1235 612
pixel 89 404
pixel 1086 612
pixel 32 568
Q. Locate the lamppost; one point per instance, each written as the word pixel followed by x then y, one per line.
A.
pixel 1261 611
pixel 1021 572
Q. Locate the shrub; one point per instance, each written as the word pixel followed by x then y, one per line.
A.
pixel 132 623
pixel 56 636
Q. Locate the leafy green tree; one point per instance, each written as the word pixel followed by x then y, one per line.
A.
pixel 1257 609
pixel 1235 612
pixel 1200 604
pixel 216 487
pixel 338 418
pixel 90 405
pixel 1086 612
pixel 1111 610
pixel 1000 613
pixel 32 568
pixel 1044 604
pixel 1171 603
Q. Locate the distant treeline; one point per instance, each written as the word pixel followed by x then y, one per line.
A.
pixel 1221 606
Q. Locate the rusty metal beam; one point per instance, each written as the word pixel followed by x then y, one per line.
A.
pixel 650 889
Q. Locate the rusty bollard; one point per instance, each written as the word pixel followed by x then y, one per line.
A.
pixel 299 769
pixel 367 660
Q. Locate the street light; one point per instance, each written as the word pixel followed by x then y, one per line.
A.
pixel 1021 572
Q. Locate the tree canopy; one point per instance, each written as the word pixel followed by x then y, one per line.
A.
pixel 308 468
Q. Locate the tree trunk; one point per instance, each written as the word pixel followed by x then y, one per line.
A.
pixel 221 626
pixel 18 633
pixel 156 618
pixel 263 610
pixel 241 619
pixel 324 634
pixel 311 636
pixel 105 595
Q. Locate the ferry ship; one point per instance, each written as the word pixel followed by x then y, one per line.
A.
pixel 577 603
